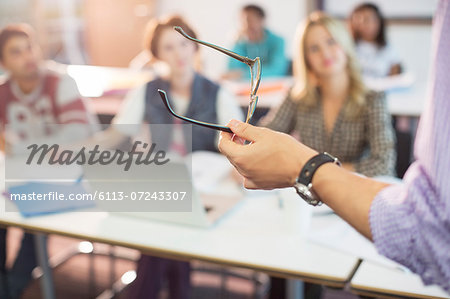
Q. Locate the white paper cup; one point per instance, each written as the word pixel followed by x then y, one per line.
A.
pixel 297 213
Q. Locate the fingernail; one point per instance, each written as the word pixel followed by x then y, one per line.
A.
pixel 235 123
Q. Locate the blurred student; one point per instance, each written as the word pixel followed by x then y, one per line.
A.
pixel 329 107
pixel 375 54
pixel 32 99
pixel 192 95
pixel 255 40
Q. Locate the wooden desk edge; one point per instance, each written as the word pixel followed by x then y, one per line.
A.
pixel 177 255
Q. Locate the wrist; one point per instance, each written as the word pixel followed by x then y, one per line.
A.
pixel 324 174
pixel 304 155
pixel 304 183
pixel 327 178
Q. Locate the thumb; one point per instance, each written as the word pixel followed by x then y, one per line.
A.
pixel 244 130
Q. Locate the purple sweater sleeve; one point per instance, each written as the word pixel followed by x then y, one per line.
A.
pixel 410 223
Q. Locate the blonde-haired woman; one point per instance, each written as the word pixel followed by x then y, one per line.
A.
pixel 329 106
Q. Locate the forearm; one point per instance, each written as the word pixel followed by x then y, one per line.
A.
pixel 349 166
pixel 348 194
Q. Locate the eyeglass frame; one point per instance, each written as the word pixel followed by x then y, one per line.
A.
pixel 254 84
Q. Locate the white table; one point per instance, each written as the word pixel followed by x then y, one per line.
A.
pixel 255 236
pixel 402 100
pixel 96 81
pixel 109 85
pixel 408 102
pixel 372 279
pixel 377 275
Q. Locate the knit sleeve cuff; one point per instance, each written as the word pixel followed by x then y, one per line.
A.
pixel 392 224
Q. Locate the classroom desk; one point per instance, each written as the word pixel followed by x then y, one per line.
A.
pixel 402 101
pixel 255 236
pixel 107 87
pixel 97 81
pixel 271 91
pixel 377 276
pixel 372 279
pixel 409 102
pixel 258 235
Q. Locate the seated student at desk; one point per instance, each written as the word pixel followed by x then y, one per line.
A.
pixel 257 41
pixel 375 54
pixel 192 95
pixel 330 108
pixel 32 99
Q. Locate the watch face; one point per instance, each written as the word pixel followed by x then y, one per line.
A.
pixel 303 191
pixel 307 194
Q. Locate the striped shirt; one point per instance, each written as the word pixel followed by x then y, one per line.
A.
pixel 367 140
pixel 410 222
pixel 32 116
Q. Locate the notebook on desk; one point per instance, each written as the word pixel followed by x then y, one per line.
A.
pixel 40 198
pixel 207 209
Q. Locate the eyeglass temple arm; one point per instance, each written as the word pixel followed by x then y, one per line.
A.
pixel 246 60
pixel 165 100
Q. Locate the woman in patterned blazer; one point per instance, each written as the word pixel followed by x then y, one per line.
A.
pixel 329 108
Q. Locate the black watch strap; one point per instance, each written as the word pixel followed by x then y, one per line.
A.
pixel 307 172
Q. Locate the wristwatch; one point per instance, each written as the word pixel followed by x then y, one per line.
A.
pixel 303 184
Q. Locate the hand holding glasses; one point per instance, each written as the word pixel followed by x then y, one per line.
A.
pixel 255 72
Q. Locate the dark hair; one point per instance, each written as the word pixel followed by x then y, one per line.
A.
pixel 256 9
pixel 14 30
pixel 380 39
pixel 155 28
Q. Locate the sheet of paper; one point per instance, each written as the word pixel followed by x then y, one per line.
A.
pixel 331 231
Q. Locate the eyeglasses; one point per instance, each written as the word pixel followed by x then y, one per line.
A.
pixel 255 72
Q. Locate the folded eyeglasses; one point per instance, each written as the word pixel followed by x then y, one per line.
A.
pixel 255 72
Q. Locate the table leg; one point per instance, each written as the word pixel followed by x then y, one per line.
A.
pixel 294 289
pixel 405 129
pixel 48 291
